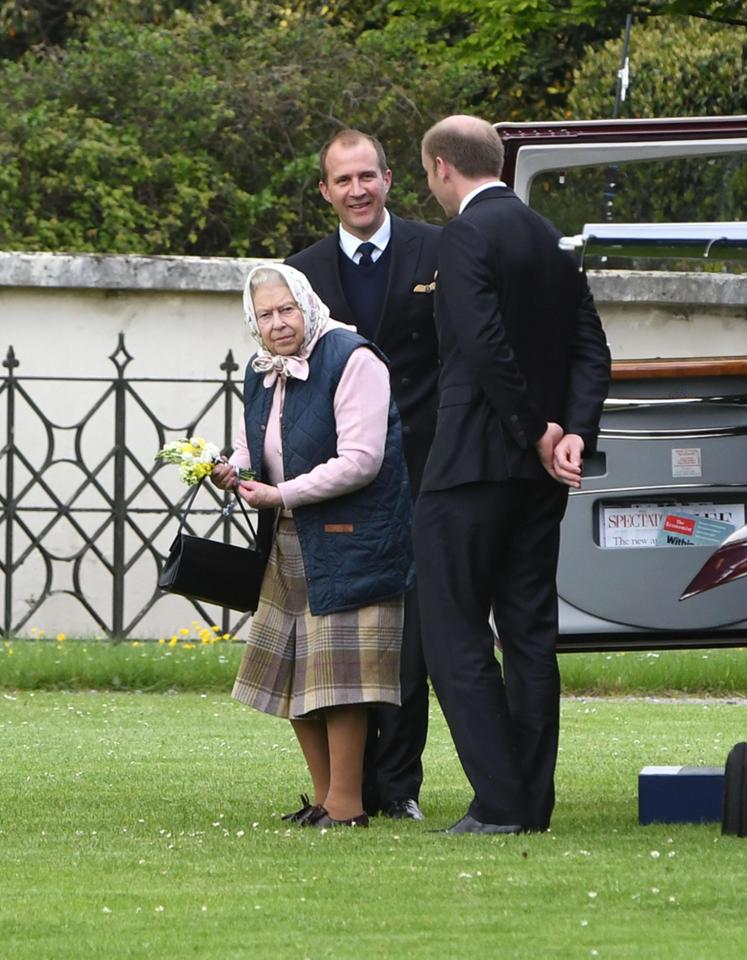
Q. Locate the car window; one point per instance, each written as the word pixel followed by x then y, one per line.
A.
pixel 709 187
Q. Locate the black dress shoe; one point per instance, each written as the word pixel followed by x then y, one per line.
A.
pixel 320 818
pixel 468 824
pixel 300 816
pixel 404 809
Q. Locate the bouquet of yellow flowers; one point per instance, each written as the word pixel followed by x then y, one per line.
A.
pixel 195 458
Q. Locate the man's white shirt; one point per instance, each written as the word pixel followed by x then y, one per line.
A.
pixel 473 193
pixel 380 239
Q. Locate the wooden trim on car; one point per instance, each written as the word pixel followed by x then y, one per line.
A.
pixel 679 367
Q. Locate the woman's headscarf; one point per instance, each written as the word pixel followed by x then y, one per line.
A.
pixel 315 316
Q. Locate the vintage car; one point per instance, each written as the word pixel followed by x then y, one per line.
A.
pixel 664 199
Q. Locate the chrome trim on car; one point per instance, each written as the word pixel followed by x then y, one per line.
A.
pixel 673 434
pixel 663 489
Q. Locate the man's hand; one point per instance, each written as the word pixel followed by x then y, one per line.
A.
pixel 259 494
pixel 545 447
pixel 223 475
pixel 566 461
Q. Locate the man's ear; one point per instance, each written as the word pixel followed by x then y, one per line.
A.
pixel 324 191
pixel 442 168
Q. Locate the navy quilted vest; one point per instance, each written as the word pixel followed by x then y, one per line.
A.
pixel 356 548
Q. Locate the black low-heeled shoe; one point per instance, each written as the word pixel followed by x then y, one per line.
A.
pixel 299 816
pixel 323 819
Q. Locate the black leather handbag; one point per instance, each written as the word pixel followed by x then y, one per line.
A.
pixel 213 571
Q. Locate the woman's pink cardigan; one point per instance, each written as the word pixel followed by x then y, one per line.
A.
pixel 361 414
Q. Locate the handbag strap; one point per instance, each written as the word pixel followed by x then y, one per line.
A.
pixel 189 503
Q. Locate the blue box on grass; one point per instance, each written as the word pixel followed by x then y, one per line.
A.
pixel 680 794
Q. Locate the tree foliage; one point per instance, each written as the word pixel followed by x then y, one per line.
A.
pixel 492 33
pixel 727 12
pixel 678 67
pixel 200 136
pixel 193 126
pixel 496 33
pixel 669 59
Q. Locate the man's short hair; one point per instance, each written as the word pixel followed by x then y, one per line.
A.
pixel 348 138
pixel 474 149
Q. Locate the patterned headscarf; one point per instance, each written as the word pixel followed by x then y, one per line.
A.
pixel 315 315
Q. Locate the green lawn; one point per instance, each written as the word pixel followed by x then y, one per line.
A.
pixel 191 661
pixel 147 825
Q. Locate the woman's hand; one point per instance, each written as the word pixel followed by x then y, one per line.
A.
pixel 259 495
pixel 223 475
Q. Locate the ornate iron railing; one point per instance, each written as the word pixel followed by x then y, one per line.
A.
pixel 85 510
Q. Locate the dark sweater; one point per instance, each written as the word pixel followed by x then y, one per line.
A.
pixel 365 290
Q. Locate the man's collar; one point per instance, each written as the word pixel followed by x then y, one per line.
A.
pixel 473 193
pixel 380 239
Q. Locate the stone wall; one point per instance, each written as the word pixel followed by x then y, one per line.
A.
pixel 184 313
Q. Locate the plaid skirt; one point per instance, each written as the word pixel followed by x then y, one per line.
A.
pixel 295 663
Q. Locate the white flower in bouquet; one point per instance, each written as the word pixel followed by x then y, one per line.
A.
pixel 195 458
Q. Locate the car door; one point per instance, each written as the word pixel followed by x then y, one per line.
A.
pixel 673 442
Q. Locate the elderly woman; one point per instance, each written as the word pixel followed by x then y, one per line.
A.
pixel 322 433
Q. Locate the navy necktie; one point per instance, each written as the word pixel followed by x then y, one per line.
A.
pixel 365 250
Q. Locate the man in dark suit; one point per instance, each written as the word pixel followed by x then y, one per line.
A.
pixel 376 272
pixel 525 370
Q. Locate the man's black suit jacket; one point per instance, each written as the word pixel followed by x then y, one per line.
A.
pixel 521 344
pixel 406 330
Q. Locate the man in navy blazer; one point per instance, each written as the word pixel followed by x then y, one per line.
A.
pixel 525 371
pixel 386 291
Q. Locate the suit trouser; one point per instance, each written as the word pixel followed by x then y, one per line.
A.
pixel 396 739
pixel 476 546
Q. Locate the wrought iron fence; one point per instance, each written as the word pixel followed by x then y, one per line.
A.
pixel 87 514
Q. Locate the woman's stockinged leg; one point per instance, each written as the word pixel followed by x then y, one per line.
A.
pixel 311 733
pixel 346 735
